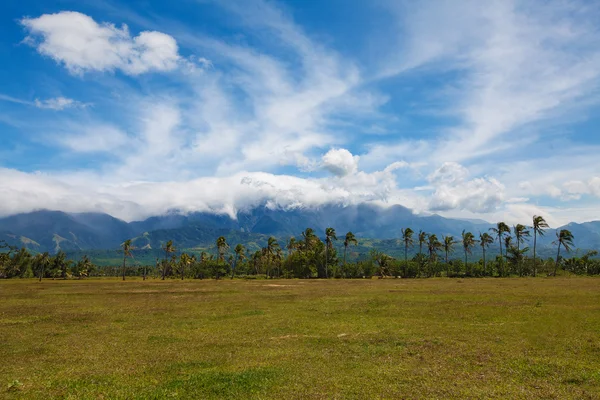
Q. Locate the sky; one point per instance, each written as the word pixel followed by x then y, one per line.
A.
pixel 466 109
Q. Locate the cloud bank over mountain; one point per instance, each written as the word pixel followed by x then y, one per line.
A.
pixel 457 109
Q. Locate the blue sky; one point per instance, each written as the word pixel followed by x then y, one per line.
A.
pixel 456 108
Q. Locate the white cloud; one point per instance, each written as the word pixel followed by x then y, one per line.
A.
pixel 83 45
pixel 453 190
pixel 340 162
pixel 59 103
pixel 96 139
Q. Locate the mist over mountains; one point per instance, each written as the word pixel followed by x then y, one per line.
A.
pixel 55 230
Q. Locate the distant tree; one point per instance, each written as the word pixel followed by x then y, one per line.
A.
pixel 468 242
pixel 500 229
pixel 433 246
pixel 407 239
pixel 240 254
pixel 185 260
pixel 565 239
pixel 272 251
pixel 521 233
pixel 222 248
pixel 448 245
pixel 169 249
pixel 485 239
pixel 422 240
pixel 348 240
pixel 330 236
pixel 40 263
pixel 539 229
pixel 126 246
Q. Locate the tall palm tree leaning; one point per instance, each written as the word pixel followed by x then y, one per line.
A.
pixel 422 240
pixel 407 238
pixel 485 239
pixel 240 251
pixel 169 248
pixel 433 245
pixel 448 244
pixel 539 229
pixel 564 239
pixel 521 232
pixel 272 249
pixel 468 241
pixel 348 240
pixel 500 229
pixel 126 253
pixel 329 237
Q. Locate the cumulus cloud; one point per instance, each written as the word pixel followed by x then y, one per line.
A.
pixel 83 192
pixel 340 162
pixel 453 190
pixel 81 44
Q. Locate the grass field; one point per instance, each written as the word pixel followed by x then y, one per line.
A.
pixel 286 339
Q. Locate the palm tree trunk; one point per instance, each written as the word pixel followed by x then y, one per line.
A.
pixel 483 248
pixel 124 258
pixel 501 256
pixel 557 257
pixel 405 260
pixel 42 273
pixel 345 250
pixel 326 251
pixel 447 266
pixel 534 248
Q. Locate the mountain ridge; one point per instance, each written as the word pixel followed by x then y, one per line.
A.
pixel 47 230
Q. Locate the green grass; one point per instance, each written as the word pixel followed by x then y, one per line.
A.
pixel 433 338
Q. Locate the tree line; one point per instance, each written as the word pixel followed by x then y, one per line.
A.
pixel 308 256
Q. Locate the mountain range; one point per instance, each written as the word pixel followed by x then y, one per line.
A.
pixel 52 231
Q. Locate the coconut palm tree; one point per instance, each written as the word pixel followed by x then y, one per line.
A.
pixel 184 260
pixel 329 237
pixel 564 238
pixel 468 241
pixel 169 249
pixel 40 263
pixel 433 246
pixel 240 254
pixel 127 247
pixel 448 244
pixel 407 238
pixel 309 238
pixel 422 240
pixel 500 229
pixel 292 245
pixel 521 233
pixel 348 240
pixel 539 229
pixel 485 239
pixel 272 250
pixel 222 247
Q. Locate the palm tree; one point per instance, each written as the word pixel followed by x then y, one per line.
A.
pixel 222 247
pixel 348 240
pixel 240 254
pixel 126 253
pixel 309 238
pixel 539 229
pixel 521 232
pixel 169 248
pixel 564 239
pixel 329 237
pixel 41 261
pixel 272 250
pixel 292 245
pixel 449 243
pixel 422 241
pixel 433 245
pixel 184 260
pixel 500 229
pixel 468 241
pixel 407 238
pixel 485 239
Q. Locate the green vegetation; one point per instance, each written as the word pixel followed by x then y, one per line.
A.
pixel 387 338
pixel 310 257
